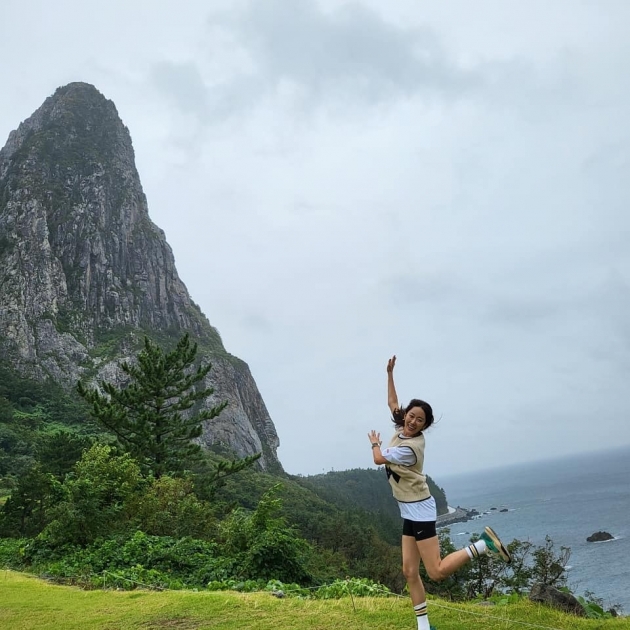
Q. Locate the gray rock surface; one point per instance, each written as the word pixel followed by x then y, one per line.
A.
pixel 85 273
pixel 551 596
pixel 600 537
pixel 459 515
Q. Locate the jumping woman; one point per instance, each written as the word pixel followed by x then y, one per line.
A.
pixel 403 460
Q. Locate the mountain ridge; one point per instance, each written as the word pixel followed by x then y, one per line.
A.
pixel 85 274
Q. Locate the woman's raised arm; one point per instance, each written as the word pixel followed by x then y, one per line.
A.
pixel 392 397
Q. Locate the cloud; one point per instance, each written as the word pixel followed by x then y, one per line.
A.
pixel 351 49
pixel 302 55
pixel 523 311
pixel 182 84
pixel 339 182
pixel 257 323
pixel 413 289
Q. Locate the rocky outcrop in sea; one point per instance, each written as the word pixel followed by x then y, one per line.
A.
pixel 600 537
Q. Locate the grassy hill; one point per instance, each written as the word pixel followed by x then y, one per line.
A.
pixel 28 603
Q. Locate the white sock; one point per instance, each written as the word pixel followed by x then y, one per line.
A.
pixel 477 549
pixel 421 616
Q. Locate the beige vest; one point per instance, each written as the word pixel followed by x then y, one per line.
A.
pixel 408 483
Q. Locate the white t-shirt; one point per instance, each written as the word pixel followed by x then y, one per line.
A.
pixel 418 510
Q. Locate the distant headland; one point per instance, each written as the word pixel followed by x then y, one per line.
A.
pixel 456 515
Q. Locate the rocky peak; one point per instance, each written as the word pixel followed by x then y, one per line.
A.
pixel 85 273
pixel 70 180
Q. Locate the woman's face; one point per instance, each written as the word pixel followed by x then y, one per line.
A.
pixel 414 421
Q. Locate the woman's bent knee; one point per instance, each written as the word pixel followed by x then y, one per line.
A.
pixel 435 574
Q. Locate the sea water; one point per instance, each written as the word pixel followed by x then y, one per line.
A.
pixel 566 499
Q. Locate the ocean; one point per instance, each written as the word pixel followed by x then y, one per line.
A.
pixel 567 499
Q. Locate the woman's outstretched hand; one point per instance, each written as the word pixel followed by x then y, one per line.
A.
pixel 375 440
pixel 390 365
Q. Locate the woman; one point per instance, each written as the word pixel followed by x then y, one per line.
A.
pixel 403 460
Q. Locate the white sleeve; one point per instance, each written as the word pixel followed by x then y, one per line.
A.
pixel 402 455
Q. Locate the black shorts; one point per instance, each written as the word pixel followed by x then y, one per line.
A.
pixel 420 530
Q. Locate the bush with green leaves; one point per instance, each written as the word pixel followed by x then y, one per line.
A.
pixel 98 497
pixel 356 587
pixel 263 545
pixel 170 507
pixel 168 562
pixel 344 541
pixel 550 564
pixel 179 556
pixel 58 451
pixel 594 606
pixel 28 510
pixel 12 553
pixel 30 410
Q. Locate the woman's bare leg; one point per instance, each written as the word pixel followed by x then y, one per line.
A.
pixel 439 568
pixel 411 570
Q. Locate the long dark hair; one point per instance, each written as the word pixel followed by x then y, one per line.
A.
pixel 399 414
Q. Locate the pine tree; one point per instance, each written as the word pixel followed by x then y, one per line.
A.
pixel 148 416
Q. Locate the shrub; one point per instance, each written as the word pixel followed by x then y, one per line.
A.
pixel 263 545
pixel 98 498
pixel 169 507
pixel 27 511
pixel 12 553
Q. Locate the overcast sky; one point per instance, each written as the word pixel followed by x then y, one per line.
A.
pixel 342 181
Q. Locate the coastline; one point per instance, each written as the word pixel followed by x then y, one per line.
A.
pixel 455 515
pixel 566 500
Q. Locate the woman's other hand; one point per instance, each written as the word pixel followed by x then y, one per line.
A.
pixel 390 364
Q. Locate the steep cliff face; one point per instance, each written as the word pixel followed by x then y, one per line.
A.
pixel 85 273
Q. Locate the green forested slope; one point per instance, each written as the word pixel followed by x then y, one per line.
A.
pixel 364 488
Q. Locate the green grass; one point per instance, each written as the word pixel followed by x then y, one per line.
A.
pixel 28 603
